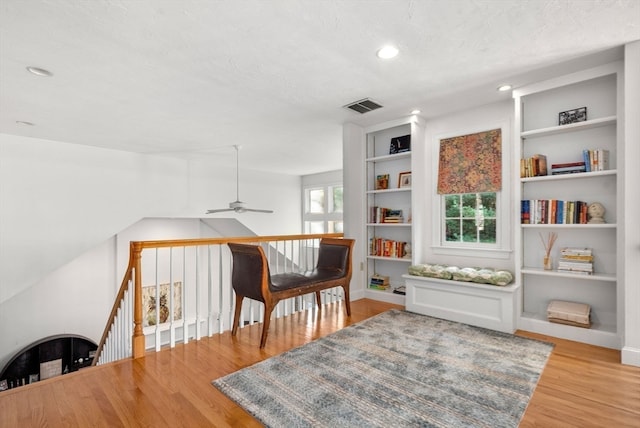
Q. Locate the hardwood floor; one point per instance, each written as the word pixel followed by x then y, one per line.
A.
pixel 581 386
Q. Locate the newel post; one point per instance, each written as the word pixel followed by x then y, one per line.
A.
pixel 138 342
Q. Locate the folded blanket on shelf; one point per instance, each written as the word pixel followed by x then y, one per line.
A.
pixel 570 313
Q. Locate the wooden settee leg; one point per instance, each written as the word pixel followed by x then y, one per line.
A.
pixel 265 323
pixel 347 299
pixel 236 316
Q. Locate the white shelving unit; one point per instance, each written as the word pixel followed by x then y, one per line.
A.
pixel 536 116
pixel 379 161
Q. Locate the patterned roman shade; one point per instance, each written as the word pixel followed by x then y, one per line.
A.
pixel 471 163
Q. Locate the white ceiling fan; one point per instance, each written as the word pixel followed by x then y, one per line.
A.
pixel 237 205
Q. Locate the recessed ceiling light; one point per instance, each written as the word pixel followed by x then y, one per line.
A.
pixel 24 123
pixel 505 87
pixel 39 71
pixel 415 111
pixel 387 52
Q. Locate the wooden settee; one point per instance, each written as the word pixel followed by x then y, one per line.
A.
pixel 251 278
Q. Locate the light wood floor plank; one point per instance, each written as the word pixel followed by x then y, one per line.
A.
pixel 581 386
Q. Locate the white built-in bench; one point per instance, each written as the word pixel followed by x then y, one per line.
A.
pixel 489 306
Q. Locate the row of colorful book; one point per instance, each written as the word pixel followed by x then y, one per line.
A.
pixel 592 160
pixel 576 260
pixel 553 211
pixel 385 215
pixel 387 248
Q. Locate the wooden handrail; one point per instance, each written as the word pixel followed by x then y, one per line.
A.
pixel 135 252
pixel 221 241
pixel 124 285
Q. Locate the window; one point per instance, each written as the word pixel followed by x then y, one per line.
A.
pixel 470 218
pixel 323 209
pixel 470 187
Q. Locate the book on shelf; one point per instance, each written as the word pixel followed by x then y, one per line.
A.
pixel 568 168
pixel 553 211
pixel 387 248
pixel 575 251
pixel 576 260
pixel 379 282
pixel 534 166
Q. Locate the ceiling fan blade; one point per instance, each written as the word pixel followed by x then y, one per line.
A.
pixel 221 210
pixel 259 211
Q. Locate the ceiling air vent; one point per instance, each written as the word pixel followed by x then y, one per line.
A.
pixel 363 106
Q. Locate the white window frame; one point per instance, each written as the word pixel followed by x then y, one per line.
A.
pixel 472 245
pixel 326 181
pixel 501 249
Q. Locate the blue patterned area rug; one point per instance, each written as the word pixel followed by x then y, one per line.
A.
pixel 396 369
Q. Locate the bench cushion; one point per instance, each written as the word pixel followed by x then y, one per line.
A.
pixel 467 274
pixel 287 281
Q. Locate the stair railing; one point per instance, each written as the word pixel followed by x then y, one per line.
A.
pixel 175 291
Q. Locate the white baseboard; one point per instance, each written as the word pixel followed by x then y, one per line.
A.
pixel 631 356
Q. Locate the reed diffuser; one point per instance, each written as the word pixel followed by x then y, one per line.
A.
pixel 548 245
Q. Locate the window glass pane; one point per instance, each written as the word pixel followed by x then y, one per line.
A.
pixel 315 202
pixel 470 218
pixel 335 227
pixel 452 206
pixel 314 226
pixel 469 205
pixel 336 206
pixel 488 234
pixel 488 204
pixel 453 231
pixel 469 231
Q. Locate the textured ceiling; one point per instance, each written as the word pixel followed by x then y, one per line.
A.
pixel 191 78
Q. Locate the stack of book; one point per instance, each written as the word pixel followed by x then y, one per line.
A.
pixel 379 282
pixel 568 168
pixel 534 166
pixel 576 260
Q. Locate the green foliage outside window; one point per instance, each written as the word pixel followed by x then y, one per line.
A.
pixel 471 218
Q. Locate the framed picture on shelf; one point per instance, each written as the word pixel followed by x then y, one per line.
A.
pixel 382 182
pixel 572 116
pixel 404 180
pixel 400 144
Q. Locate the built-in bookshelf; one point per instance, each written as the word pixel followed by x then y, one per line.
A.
pixel 544 143
pixel 388 211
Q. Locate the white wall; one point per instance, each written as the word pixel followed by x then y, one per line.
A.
pixel 58 200
pixel 631 334
pixel 62 206
pixel 74 299
pixel 353 200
